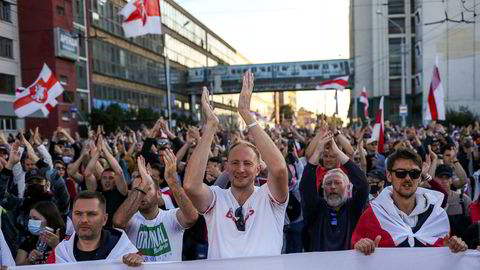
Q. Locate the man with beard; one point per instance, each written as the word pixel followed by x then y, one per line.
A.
pixel 36 188
pixel 91 241
pixel 157 234
pixel 331 219
pixel 404 215
pixel 244 220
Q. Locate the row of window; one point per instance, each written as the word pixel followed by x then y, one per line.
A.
pixel 114 61
pixel 8 124
pixel 7 84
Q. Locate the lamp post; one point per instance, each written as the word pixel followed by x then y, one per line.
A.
pixel 404 61
pixel 167 77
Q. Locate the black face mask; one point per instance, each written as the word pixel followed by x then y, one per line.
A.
pixel 35 191
pixel 163 184
pixel 374 189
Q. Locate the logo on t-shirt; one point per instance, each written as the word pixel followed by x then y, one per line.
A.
pixel 153 241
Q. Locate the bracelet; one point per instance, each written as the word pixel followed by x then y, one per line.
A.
pixel 141 191
pixel 252 125
pixel 427 178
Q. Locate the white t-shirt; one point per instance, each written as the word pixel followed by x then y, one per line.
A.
pixel 264 219
pixel 160 239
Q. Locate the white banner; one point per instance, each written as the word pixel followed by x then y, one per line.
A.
pixel 382 259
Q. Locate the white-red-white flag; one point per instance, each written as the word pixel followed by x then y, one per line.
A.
pixel 436 103
pixel 378 128
pixel 41 95
pixel 141 17
pixel 337 83
pixel 364 99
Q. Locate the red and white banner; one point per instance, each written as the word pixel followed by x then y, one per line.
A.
pixel 383 258
pixel 364 99
pixel 337 83
pixel 378 128
pixel 436 103
pixel 141 17
pixel 41 95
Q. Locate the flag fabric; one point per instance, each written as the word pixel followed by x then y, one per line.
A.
pixel 382 218
pixel 378 128
pixel 41 95
pixel 364 99
pixel 337 83
pixel 141 17
pixel 436 104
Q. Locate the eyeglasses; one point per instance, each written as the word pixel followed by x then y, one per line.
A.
pixel 239 219
pixel 401 173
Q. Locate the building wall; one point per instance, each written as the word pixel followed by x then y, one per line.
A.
pixel 10 68
pixel 457 47
pixel 37 20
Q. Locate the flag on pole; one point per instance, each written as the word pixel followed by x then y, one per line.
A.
pixel 141 17
pixel 378 128
pixel 364 99
pixel 41 95
pixel 436 104
pixel 337 83
pixel 336 102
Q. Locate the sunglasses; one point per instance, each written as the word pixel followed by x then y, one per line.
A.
pixel 239 219
pixel 401 173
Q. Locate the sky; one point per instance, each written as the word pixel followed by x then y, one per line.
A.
pixel 267 31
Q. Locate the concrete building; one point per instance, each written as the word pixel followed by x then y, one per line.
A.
pixel 10 73
pixel 377 30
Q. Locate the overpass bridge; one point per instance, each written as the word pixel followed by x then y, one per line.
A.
pixel 272 77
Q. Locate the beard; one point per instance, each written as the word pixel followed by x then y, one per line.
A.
pixel 399 189
pixel 335 200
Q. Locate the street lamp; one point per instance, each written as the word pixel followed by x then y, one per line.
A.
pixel 167 76
pixel 404 61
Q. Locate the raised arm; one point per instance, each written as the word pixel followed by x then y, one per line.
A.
pixel 90 178
pixel 73 168
pixel 197 191
pixel 187 216
pixel 130 206
pixel 276 165
pixel 120 181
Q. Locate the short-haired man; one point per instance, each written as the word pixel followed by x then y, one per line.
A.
pixel 91 241
pixel 404 215
pixel 331 218
pixel 243 220
pixel 157 234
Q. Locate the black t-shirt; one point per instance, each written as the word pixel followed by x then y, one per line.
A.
pixel 108 241
pixel 30 244
pixel 114 200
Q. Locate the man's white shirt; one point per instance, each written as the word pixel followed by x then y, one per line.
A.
pixel 160 239
pixel 264 220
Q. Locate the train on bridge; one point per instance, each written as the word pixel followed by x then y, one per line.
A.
pixel 323 69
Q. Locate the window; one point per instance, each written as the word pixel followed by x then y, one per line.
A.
pixel 393 27
pixel 8 124
pixel 7 84
pixel 78 15
pixel 395 87
pixel 81 74
pixel 396 6
pixel 5 11
pixel 68 97
pixel 60 10
pixel 6 47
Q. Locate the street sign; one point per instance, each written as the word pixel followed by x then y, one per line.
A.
pixel 403 110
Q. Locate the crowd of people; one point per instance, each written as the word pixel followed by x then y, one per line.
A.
pixel 206 192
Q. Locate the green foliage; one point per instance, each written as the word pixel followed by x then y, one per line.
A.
pixel 462 117
pixel 114 117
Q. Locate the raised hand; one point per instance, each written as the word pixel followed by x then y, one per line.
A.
pixel 15 156
pixel 207 109
pixel 37 140
pixel 170 166
pixel 326 138
pixel 245 98
pixel 142 182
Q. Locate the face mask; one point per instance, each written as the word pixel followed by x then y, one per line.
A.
pixel 67 159
pixel 374 189
pixel 35 226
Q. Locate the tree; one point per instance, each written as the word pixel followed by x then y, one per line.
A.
pixel 286 112
pixel 462 117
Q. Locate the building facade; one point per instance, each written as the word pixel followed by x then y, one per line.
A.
pixel 10 72
pixel 443 30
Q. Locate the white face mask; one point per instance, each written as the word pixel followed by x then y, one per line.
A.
pixel 35 226
pixel 67 159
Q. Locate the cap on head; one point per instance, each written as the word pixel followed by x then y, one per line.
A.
pixel 444 170
pixel 33 174
pixel 378 174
